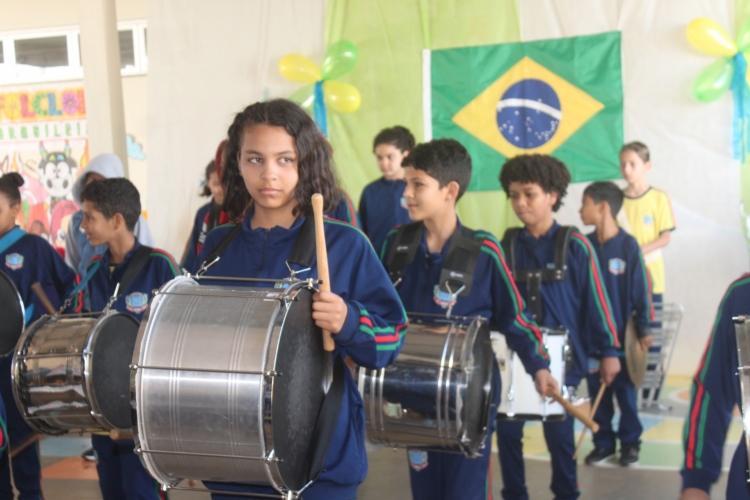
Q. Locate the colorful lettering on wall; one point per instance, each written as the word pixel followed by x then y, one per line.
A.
pixel 43 137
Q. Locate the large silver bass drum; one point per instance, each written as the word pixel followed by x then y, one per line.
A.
pixel 12 314
pixel 742 335
pixel 72 372
pixel 436 396
pixel 228 383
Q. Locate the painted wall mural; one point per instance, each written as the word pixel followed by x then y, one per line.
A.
pixel 43 137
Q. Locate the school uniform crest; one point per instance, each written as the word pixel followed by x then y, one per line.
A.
pixel 136 302
pixel 14 261
pixel 617 266
pixel 418 459
pixel 443 299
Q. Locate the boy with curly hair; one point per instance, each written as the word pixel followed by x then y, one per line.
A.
pixel 536 186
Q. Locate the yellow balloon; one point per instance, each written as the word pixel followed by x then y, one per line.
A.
pixel 341 96
pixel 706 35
pixel 299 68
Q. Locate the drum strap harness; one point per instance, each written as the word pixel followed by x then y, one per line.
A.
pixel 10 238
pixel 302 254
pixel 457 272
pixel 535 277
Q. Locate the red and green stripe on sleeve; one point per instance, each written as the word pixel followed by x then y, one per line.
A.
pixel 387 338
pixel 173 267
pixel 491 246
pixel 599 290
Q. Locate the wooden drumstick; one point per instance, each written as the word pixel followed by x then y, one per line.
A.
pixel 598 400
pixel 576 412
pixel 322 254
pixel 116 434
pixel 39 291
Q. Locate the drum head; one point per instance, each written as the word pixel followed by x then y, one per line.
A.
pixel 110 374
pixel 478 387
pixel 299 391
pixel 12 318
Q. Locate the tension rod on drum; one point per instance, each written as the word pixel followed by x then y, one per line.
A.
pixel 267 373
pixel 139 451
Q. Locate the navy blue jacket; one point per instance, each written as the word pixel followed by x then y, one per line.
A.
pixel 715 392
pixel 372 334
pixel 627 282
pixel 493 295
pixel 191 250
pixel 159 269
pixel 579 303
pixel 382 207
pixel 344 211
pixel 32 259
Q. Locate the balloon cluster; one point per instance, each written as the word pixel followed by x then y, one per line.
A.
pixel 707 36
pixel 322 89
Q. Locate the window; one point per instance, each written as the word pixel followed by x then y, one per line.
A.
pixel 55 54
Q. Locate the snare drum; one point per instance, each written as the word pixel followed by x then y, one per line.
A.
pixel 12 318
pixel 742 336
pixel 436 395
pixel 228 383
pixel 73 372
pixel 520 400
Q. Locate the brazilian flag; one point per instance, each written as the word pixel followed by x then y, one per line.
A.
pixel 561 97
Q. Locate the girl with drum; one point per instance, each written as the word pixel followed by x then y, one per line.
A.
pixel 276 160
pixel 26 259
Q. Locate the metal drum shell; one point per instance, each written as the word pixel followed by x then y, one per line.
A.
pixel 742 337
pixel 429 379
pixel 14 326
pixel 224 434
pixel 62 348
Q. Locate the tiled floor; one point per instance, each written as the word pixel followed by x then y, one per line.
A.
pixel 68 477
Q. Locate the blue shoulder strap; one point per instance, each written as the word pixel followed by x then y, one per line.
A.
pixel 89 273
pixel 10 238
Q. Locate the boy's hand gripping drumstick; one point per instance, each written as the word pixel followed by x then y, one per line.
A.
pixel 598 400
pixel 576 412
pixel 322 254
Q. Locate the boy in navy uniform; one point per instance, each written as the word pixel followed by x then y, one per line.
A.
pixel 111 208
pixel 713 397
pixel 626 279
pixel 437 174
pixel 575 298
pixel 382 205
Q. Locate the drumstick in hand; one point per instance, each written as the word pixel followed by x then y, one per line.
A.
pixel 576 412
pixel 598 400
pixel 322 253
pixel 39 291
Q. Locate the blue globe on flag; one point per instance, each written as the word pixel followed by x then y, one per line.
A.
pixel 529 113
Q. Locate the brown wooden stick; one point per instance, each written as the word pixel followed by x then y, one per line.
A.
pixel 39 291
pixel 31 440
pixel 576 412
pixel 322 254
pixel 598 400
pixel 116 434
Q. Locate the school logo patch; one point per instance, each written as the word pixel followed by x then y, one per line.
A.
pixel 617 266
pixel 136 302
pixel 443 299
pixel 14 261
pixel 418 459
pixel 403 203
pixel 648 219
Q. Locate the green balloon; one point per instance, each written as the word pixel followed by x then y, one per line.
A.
pixel 743 37
pixel 304 96
pixel 339 60
pixel 714 80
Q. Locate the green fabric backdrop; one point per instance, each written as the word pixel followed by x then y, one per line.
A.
pixel 390 36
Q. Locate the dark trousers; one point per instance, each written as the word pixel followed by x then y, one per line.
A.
pixel 121 473
pixel 27 470
pixel 630 428
pixel 561 445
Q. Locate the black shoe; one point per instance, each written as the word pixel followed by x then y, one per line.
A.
pixel 629 453
pixel 89 455
pixel 599 455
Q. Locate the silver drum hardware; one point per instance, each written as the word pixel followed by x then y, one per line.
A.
pixel 436 396
pixel 520 399
pixel 742 334
pixel 72 372
pixel 228 382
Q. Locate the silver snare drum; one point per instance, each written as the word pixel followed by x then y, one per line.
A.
pixel 742 335
pixel 228 382
pixel 520 400
pixel 73 372
pixel 436 396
